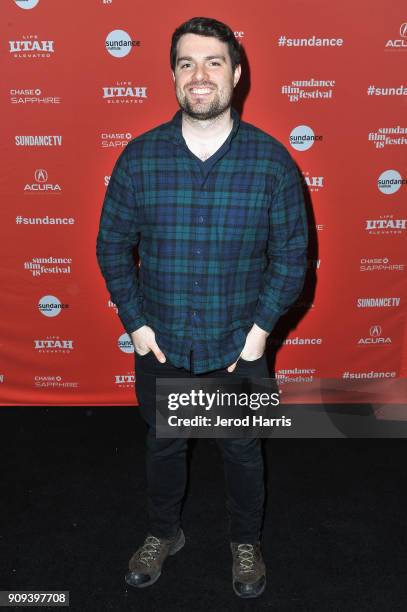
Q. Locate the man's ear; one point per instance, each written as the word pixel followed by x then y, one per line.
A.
pixel 173 74
pixel 236 76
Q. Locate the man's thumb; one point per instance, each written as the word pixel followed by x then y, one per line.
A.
pixel 159 354
pixel 232 367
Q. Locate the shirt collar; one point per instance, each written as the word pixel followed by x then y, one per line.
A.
pixel 175 126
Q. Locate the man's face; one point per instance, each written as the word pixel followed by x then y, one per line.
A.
pixel 204 80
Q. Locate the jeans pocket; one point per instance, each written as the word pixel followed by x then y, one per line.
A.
pixel 144 355
pixel 251 360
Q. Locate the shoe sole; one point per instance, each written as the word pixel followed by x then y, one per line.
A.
pixel 249 596
pixel 174 549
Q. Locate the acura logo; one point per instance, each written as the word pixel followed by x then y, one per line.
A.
pixel 375 330
pixel 41 176
pixel 403 30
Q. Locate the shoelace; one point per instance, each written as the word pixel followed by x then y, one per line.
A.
pixel 149 550
pixel 245 553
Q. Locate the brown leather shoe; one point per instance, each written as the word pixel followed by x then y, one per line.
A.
pixel 249 571
pixel 146 563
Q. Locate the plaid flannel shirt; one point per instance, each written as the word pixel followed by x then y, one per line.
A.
pixel 219 249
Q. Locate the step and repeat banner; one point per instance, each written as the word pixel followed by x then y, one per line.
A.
pixel 81 79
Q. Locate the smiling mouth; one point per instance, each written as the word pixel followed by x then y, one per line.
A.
pixel 200 91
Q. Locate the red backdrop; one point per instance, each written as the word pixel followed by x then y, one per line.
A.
pixel 69 106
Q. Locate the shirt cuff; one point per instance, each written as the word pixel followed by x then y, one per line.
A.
pixel 266 319
pixel 134 324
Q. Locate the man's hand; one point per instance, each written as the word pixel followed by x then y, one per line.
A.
pixel 144 340
pixel 254 347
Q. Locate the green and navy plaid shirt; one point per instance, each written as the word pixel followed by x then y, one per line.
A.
pixel 221 244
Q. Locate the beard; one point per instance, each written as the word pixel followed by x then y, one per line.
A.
pixel 202 110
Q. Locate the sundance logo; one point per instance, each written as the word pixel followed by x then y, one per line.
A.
pixel 38 141
pixel 296 341
pixel 26 4
pixel 378 302
pixel 112 305
pixel 303 137
pixel 390 181
pixel 50 306
pixel 388 136
pixel 125 344
pixel 119 43
pixel 312 89
pixel 48 265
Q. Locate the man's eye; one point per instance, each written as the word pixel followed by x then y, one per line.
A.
pixel 215 63
pixel 184 65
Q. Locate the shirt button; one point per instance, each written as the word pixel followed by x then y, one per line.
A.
pixel 200 219
pixel 198 251
pixel 196 283
pixel 194 313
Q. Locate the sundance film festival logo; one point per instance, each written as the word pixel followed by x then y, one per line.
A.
pixel 32 96
pixel 124 381
pixel 26 4
pixel 125 344
pixel 303 137
pixel 50 306
pixel 41 184
pixel 111 139
pixel 112 305
pixel 388 136
pixel 399 43
pixel 375 337
pixel 124 93
pixel 314 183
pixel 53 344
pixel 296 341
pixel 386 224
pixel 312 89
pixel 119 43
pixel 295 375
pixel 30 47
pixel 390 181
pixel 48 265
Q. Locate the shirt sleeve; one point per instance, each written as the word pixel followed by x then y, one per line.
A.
pixel 287 244
pixel 117 237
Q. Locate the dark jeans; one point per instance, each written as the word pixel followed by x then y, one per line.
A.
pixel 166 465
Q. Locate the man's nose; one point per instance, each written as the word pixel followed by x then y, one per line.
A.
pixel 200 73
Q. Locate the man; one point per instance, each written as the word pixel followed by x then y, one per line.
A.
pixel 216 208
